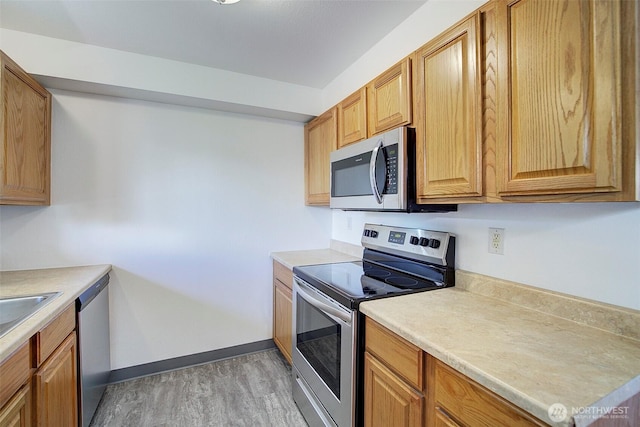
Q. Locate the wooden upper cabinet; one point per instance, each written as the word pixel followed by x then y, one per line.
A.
pixel 25 146
pixel 320 138
pixel 389 98
pixel 559 97
pixel 448 112
pixel 352 118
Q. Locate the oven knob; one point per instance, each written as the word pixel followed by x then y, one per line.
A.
pixel 435 244
pixel 374 233
pixel 413 240
pixel 424 241
pixel 367 233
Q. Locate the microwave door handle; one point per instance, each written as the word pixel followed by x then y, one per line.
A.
pixel 372 172
pixel 332 312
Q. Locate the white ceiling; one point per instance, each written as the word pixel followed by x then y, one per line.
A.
pixel 305 42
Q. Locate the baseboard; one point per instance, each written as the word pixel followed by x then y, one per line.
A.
pixel 138 371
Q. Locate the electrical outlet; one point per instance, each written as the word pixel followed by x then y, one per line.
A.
pixel 496 241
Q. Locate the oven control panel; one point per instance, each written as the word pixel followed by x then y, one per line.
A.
pixel 432 246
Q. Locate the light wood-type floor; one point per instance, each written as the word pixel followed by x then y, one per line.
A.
pixel 250 390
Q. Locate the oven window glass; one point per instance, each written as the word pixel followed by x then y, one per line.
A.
pixel 318 339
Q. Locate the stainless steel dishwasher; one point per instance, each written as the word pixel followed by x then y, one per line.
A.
pixel 94 359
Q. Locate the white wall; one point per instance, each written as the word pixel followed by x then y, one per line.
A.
pixel 588 250
pixel 423 25
pixel 186 204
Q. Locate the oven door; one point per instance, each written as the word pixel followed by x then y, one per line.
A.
pixel 323 357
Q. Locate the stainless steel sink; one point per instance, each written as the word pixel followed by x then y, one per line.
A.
pixel 16 310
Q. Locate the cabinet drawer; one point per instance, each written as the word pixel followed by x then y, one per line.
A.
pixel 14 372
pixel 472 404
pixel 404 358
pixel 50 337
pixel 283 274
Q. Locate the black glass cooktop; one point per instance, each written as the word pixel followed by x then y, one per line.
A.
pixel 350 283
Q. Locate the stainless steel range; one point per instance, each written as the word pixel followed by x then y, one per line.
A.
pixel 327 334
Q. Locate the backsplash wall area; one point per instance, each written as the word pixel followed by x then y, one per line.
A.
pixel 591 250
pixel 186 204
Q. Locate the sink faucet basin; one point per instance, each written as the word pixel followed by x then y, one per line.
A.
pixel 16 310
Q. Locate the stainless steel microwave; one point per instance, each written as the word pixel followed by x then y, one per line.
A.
pixel 378 174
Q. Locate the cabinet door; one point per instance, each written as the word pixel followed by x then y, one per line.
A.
pixel 559 124
pixel 389 401
pixel 449 114
pixel 282 309
pixel 389 98
pixel 25 126
pixel 320 140
pixel 56 389
pixel 17 412
pixel 352 118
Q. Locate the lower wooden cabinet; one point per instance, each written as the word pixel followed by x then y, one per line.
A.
pixel 282 308
pixel 39 380
pixel 442 420
pixel 455 397
pixel 282 318
pixel 17 412
pixel 389 401
pixel 440 397
pixel 55 387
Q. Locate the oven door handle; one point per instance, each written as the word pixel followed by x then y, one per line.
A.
pixel 333 312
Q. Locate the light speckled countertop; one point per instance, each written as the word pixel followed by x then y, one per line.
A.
pixel 338 252
pixel 70 281
pixel 510 345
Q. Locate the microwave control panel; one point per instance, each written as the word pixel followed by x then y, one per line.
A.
pixel 391 186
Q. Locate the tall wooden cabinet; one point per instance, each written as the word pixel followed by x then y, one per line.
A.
pixel 320 139
pixel 449 114
pixel 560 87
pixel 25 141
